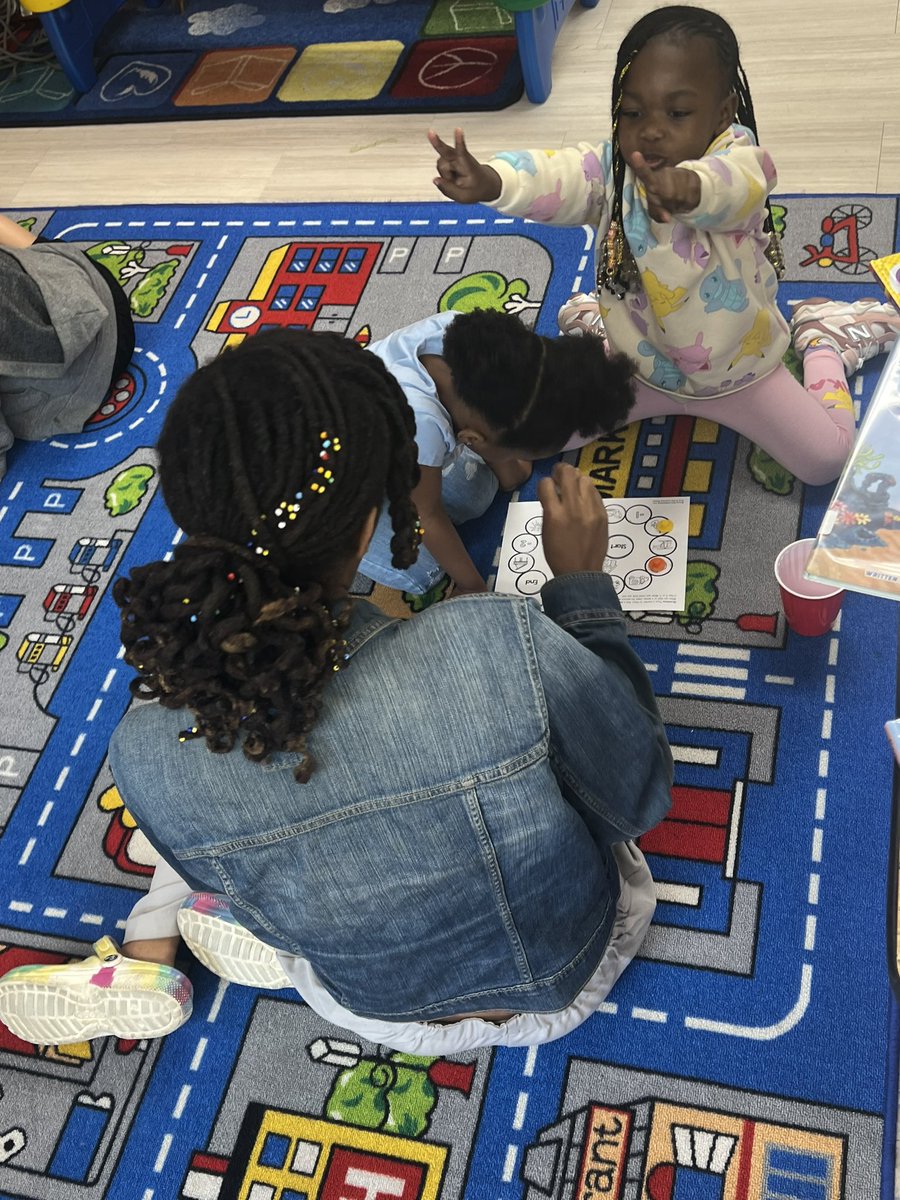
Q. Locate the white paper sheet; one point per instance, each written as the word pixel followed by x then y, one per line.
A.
pixel 646 560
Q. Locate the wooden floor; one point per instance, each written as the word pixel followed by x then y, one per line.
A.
pixel 825 78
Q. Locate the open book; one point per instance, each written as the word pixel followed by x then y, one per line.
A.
pixel 858 545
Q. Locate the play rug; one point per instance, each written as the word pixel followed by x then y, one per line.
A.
pixel 217 58
pixel 747 1055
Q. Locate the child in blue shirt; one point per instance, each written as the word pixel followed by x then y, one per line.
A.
pixel 489 396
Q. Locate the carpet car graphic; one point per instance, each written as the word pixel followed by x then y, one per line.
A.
pixel 743 1056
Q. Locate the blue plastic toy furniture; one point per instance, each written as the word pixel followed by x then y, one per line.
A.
pixel 537 25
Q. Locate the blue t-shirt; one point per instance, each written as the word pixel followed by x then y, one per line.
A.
pixel 399 351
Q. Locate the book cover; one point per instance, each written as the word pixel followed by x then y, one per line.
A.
pixel 858 544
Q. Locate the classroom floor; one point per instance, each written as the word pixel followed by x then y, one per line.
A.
pixel 825 78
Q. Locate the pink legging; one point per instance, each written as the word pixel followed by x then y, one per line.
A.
pixel 808 428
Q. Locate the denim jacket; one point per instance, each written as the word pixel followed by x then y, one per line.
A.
pixel 451 850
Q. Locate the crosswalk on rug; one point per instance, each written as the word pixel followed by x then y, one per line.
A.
pixel 748 1054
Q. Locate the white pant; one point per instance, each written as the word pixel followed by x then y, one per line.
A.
pixel 154 916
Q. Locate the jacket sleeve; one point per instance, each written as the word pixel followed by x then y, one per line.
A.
pixel 734 184
pixel 607 741
pixel 556 187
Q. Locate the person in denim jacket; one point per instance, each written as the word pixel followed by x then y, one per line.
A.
pixel 423 826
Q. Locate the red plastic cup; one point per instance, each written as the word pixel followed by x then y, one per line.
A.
pixel 810 608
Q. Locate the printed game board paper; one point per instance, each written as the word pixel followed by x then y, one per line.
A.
pixel 646 558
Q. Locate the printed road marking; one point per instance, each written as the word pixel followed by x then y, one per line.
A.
pixel 706 756
pixel 678 893
pixel 530 1060
pixel 509 1164
pixel 816 853
pixel 823 764
pixel 712 670
pixel 710 690
pixel 26 853
pixel 61 779
pixel 787 680
pixel 45 813
pixel 826 723
pixel 21 906
pixel 521 1106
pixel 829 689
pixel 95 708
pixel 217 1001
pixel 164 1148
pixel 182 1101
pixel 762 1033
pixel 733 828
pixel 198 1054
pixel 820 804
pixel 714 651
pixel 809 942
pixel 91 919
pixel 650 1014
pixel 76 746
pixel 58 913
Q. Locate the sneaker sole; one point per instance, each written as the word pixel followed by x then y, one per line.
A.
pixel 54 1014
pixel 230 951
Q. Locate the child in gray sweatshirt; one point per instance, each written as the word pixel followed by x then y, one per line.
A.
pixel 65 334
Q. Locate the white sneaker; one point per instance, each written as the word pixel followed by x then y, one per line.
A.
pixel 581 315
pixel 104 995
pixel 222 944
pixel 858 331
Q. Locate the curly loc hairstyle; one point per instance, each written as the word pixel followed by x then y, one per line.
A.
pixel 271 459
pixel 617 269
pixel 536 392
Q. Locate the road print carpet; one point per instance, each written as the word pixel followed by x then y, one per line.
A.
pixel 748 1054
pixel 217 58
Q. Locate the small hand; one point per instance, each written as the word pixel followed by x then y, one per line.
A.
pixel 460 176
pixel 575 529
pixel 668 190
pixel 469 591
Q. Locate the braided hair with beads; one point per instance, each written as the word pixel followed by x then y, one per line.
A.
pixel 271 459
pixel 617 271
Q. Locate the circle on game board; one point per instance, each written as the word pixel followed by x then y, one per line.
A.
pixel 614 513
pixel 524 543
pixel 535 525
pixel 638 514
pixel 619 546
pixel 521 562
pixel 638 580
pixel 659 525
pixel 531 583
pixel 244 316
pixel 662 544
pixel 659 565
pixel 617 583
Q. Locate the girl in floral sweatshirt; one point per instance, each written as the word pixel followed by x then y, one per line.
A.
pixel 688 262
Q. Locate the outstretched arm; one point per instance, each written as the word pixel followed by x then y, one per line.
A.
pixel 460 176
pixel 13 236
pixel 441 537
